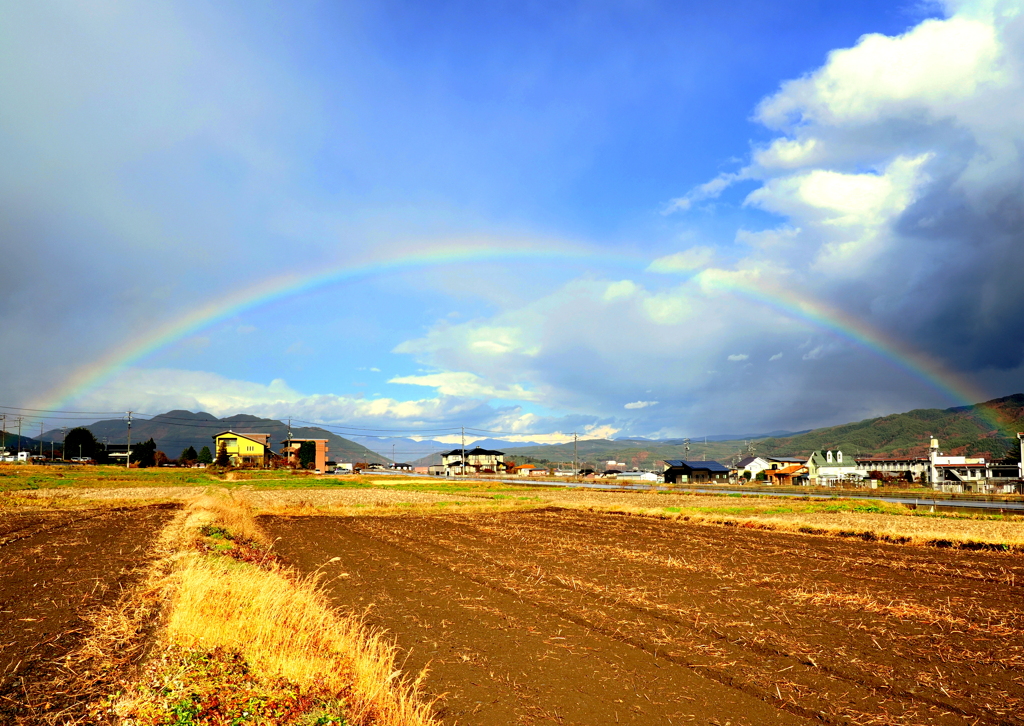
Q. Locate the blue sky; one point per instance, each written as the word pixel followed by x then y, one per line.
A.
pixel 160 155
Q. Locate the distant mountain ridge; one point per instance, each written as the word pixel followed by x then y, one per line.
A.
pixel 175 431
pixel 960 430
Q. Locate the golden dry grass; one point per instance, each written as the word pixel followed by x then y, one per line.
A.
pixel 281 624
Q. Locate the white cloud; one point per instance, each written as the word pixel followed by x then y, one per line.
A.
pixel 738 357
pixel 777 356
pixel 930 69
pixel 640 404
pixel 467 385
pixel 685 261
pixel 620 289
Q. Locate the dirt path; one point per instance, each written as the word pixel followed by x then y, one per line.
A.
pixel 56 566
pixel 580 618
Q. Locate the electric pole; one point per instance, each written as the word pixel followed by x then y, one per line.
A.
pixel 575 459
pixel 19 436
pixel 3 433
pixel 463 451
pixel 40 438
pixel 686 449
pixel 128 459
pixel 63 443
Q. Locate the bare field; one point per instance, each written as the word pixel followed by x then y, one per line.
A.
pixel 57 568
pixel 581 617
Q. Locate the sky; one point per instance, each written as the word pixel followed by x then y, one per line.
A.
pixel 631 218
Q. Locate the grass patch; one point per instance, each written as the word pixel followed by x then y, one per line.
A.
pixel 246 640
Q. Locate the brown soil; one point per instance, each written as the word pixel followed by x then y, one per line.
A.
pixel 583 618
pixel 56 568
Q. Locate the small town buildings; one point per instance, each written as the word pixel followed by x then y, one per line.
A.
pixel 905 468
pixel 757 464
pixel 794 474
pixel 828 468
pixel 243 448
pixel 635 475
pixel 679 471
pixel 397 466
pixel 290 452
pixel 478 461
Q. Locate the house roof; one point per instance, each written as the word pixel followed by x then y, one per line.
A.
pixel 787 470
pixel 819 459
pixel 745 461
pixel 474 452
pixel 262 439
pixel 712 466
pixel 790 459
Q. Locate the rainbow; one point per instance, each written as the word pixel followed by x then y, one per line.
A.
pixel 800 307
pixel 287 285
pixel 819 315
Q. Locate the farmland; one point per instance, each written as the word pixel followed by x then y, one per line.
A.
pixel 510 604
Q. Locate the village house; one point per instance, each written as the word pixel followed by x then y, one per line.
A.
pixel 904 468
pixel 478 461
pixel 290 452
pixel 828 468
pixel 243 448
pixel 636 475
pixel 794 474
pixel 678 471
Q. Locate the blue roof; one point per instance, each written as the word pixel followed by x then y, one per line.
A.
pixel 707 465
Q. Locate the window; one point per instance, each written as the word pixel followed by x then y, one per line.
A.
pixel 839 456
pixel 828 456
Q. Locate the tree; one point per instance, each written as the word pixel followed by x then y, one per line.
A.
pixel 145 454
pixel 80 442
pixel 188 456
pixel 205 456
pixel 307 454
pixel 160 458
pixel 223 460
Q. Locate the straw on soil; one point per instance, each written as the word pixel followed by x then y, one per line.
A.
pixel 241 602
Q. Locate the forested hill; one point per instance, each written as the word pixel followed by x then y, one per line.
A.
pixel 961 430
pixel 175 431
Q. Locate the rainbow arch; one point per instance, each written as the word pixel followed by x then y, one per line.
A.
pixel 789 303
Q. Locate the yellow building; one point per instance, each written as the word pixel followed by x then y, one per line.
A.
pixel 243 449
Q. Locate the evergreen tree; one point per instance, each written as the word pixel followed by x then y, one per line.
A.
pixel 205 456
pixel 145 454
pixel 188 456
pixel 307 454
pixel 222 455
pixel 80 442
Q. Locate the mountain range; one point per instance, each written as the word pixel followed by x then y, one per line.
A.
pixel 987 429
pixel 175 431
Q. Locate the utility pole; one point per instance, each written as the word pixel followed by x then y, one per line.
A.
pixel 128 459
pixel 575 459
pixel 3 433
pixel 63 443
pixel 705 457
pixel 19 436
pixel 393 455
pixel 463 451
pixel 40 438
pixel 686 449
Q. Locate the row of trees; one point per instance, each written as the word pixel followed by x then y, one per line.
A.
pixel 80 442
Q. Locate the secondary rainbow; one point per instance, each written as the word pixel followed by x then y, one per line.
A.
pixel 792 305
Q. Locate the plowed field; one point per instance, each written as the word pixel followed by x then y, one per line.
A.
pixel 56 567
pixel 572 617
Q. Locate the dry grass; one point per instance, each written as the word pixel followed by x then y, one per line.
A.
pixel 280 624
